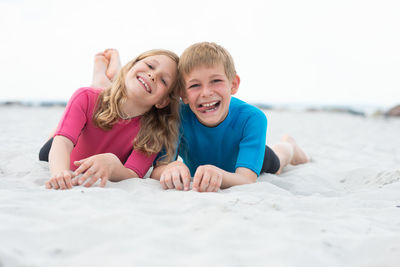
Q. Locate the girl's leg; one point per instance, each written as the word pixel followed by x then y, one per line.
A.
pixel 114 65
pixel 289 152
pixel 100 80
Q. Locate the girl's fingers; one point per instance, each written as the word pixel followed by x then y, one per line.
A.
pixel 103 182
pixel 54 183
pixel 92 181
pixel 84 165
pixel 85 176
pixel 48 185
pixel 68 182
pixel 61 183
pixel 74 181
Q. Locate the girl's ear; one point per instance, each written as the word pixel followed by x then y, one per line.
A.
pixel 163 103
pixel 235 84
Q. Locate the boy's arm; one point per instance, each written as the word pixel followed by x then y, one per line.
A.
pixel 241 176
pixel 209 178
pixel 173 175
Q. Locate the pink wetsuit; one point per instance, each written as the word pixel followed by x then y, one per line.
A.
pixel 77 125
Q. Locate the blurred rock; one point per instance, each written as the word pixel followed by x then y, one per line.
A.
pixel 393 112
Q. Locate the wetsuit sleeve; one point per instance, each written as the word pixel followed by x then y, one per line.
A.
pixel 75 116
pixel 252 143
pixel 139 162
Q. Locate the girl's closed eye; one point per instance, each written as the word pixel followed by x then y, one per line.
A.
pixel 194 85
pixel 150 66
pixel 163 81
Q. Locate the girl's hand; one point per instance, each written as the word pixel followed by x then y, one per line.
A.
pixel 207 178
pixel 62 180
pixel 176 175
pixel 96 167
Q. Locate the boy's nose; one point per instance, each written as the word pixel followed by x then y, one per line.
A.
pixel 206 91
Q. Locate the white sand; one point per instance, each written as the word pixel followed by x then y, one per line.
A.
pixel 342 209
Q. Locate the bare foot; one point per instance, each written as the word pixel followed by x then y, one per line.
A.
pixel 112 56
pixel 100 79
pixel 299 156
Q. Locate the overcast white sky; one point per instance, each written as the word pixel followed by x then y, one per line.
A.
pixel 308 51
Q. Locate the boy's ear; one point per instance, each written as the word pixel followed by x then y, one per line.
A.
pixel 235 84
pixel 163 103
pixel 184 96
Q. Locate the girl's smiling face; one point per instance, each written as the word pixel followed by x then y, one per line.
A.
pixel 150 80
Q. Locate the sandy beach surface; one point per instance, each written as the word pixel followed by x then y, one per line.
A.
pixel 342 209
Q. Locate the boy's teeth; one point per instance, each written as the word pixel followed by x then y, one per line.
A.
pixel 210 104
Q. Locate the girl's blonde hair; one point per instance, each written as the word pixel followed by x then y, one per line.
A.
pixel 159 128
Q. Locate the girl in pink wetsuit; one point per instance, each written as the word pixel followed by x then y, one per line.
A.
pixel 116 133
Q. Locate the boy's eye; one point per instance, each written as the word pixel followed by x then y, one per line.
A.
pixel 216 81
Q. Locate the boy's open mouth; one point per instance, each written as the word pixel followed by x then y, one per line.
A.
pixel 146 86
pixel 208 107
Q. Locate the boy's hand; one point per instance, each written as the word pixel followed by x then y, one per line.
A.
pixel 62 180
pixel 207 178
pixel 97 167
pixel 176 175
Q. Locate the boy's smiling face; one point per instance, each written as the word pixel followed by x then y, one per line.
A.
pixel 208 92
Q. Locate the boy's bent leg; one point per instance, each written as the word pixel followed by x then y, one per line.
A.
pixel 289 152
pixel 271 162
pixel 44 151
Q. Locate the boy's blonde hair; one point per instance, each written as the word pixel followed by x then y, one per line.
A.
pixel 205 54
pixel 159 128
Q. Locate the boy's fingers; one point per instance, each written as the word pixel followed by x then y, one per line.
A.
pixel 162 182
pixel 205 182
pixel 185 175
pixel 168 181
pixel 48 185
pixel 213 185
pixel 197 179
pixel 176 179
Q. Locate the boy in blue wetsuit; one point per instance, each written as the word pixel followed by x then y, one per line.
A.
pixel 222 141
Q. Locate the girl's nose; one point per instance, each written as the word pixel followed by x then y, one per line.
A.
pixel 151 76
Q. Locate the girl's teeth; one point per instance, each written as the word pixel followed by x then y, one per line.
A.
pixel 145 84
